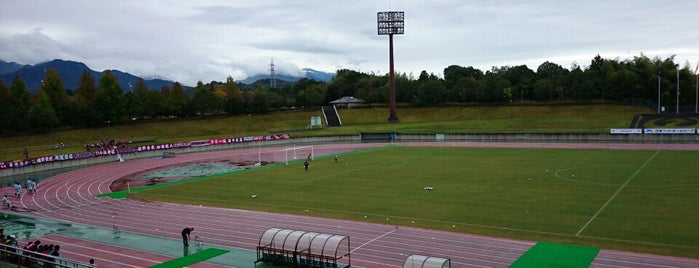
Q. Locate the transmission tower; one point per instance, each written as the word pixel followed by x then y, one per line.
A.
pixel 273 76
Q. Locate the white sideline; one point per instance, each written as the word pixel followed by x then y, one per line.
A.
pixel 372 240
pixel 616 193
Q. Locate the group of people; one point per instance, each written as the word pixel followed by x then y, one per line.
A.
pixel 47 254
pixel 31 188
pixel 307 163
pixel 32 253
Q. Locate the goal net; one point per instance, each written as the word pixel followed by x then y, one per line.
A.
pixel 295 153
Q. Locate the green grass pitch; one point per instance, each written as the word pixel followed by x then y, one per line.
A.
pixel 644 201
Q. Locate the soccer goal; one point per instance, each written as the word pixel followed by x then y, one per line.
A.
pixel 295 153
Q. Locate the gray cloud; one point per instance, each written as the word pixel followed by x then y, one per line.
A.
pixel 190 41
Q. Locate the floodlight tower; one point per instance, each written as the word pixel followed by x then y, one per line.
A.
pixel 272 74
pixel 390 23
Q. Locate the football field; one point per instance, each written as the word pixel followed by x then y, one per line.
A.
pixel 639 200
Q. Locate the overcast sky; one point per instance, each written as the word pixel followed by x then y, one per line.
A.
pixel 188 41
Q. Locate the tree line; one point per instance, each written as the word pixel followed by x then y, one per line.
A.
pixel 96 103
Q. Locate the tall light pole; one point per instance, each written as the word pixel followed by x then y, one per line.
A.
pixel 390 23
pixel 696 91
pixel 678 89
pixel 660 72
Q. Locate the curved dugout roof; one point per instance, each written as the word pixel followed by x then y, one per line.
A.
pixel 419 261
pixel 329 245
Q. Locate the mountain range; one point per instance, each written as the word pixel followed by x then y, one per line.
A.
pixel 70 72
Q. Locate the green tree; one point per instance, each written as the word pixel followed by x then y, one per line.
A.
pixel 373 89
pixel 141 104
pixel 55 91
pixel 177 100
pixel 522 80
pixel 543 90
pixel 132 105
pixel 233 103
pixel 87 90
pixel 19 104
pixel 110 98
pixel 5 116
pixel 204 101
pixel 556 76
pixel 85 95
pixel 343 84
pixel 459 80
pixel 42 116
pixel 493 87
pixel 581 87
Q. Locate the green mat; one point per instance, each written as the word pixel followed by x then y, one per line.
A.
pixel 192 259
pixel 556 255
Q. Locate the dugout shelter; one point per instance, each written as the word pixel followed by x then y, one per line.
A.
pixel 303 249
pixel 420 261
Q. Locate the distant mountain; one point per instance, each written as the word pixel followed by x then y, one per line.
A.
pixel 318 75
pixel 8 67
pixel 70 72
pixel 308 73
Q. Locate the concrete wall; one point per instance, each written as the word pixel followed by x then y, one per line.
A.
pixel 562 137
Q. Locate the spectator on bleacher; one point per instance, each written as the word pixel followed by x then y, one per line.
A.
pixel 29 250
pixel 7 253
pixel 55 253
pixel 43 249
pixel 49 261
pixel 10 240
pixel 34 246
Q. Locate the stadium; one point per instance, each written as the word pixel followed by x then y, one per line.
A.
pixel 490 204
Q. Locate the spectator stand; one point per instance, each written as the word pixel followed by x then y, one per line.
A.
pixel 420 261
pixel 17 257
pixel 303 249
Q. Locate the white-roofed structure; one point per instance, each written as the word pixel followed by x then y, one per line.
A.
pixel 300 248
pixel 420 261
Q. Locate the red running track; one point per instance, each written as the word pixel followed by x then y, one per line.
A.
pixel 70 197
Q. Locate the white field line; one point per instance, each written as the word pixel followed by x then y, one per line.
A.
pixel 376 238
pixel 616 193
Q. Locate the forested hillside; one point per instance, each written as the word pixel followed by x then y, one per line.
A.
pixel 96 103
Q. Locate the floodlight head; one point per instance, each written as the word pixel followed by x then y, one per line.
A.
pixel 390 22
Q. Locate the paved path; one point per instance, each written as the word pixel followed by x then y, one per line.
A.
pixel 70 197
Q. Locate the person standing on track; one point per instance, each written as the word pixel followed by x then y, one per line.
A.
pixel 31 185
pixel 18 189
pixel 185 235
pixel 5 203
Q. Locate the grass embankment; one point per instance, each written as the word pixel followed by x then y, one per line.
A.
pixel 641 201
pixel 558 118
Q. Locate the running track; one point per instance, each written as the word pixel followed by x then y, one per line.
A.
pixel 70 197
